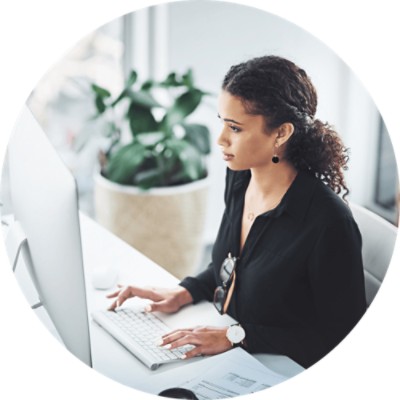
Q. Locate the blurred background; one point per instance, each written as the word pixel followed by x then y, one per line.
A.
pixel 207 37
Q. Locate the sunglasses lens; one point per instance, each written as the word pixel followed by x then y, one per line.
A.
pixel 219 298
pixel 226 269
pixel 223 293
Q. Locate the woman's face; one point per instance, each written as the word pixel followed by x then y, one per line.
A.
pixel 244 141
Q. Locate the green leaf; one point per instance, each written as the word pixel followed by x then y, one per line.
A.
pixel 132 78
pixel 100 106
pixel 189 157
pixel 184 105
pixel 171 81
pixel 141 120
pixel 168 162
pixel 192 163
pixel 147 85
pixel 150 138
pixel 100 91
pixel 198 136
pixel 143 99
pixel 123 163
pixel 187 79
pixel 123 94
pixel 150 178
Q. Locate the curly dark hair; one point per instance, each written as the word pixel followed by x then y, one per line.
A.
pixel 282 92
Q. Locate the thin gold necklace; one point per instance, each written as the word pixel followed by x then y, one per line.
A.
pixel 251 215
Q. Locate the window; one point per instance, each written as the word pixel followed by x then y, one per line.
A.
pixel 386 181
pixel 62 101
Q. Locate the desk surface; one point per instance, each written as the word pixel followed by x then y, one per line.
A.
pixel 109 357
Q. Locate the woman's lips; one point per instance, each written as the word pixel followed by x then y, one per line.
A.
pixel 227 157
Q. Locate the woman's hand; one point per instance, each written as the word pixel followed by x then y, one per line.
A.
pixel 164 300
pixel 207 340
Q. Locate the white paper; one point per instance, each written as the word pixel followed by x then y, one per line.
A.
pixel 233 374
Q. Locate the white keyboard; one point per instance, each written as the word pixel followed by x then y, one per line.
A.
pixel 138 331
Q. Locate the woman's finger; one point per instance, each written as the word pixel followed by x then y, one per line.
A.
pixel 114 294
pixel 148 294
pixel 112 307
pixel 122 295
pixel 196 351
pixel 162 306
pixel 183 339
pixel 162 299
pixel 206 341
pixel 128 292
pixel 125 294
pixel 173 337
pixel 191 329
pixel 169 335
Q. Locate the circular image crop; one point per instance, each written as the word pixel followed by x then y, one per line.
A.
pixel 185 203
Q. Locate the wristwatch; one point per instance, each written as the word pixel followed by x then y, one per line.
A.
pixel 235 334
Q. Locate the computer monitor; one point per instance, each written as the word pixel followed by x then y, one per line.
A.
pixel 45 206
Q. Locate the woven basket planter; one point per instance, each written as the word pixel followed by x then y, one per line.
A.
pixel 165 224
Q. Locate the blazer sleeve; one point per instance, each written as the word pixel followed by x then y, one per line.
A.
pixel 202 286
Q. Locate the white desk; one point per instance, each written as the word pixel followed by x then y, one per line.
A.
pixel 109 357
pixel 112 359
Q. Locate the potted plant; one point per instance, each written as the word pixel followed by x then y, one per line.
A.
pixel 151 190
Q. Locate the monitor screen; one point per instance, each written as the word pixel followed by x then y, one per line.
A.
pixel 45 206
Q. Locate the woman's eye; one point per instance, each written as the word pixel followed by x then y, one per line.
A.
pixel 234 128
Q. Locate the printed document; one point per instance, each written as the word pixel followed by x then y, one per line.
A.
pixel 233 373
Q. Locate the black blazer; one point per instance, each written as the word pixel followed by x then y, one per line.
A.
pixel 300 281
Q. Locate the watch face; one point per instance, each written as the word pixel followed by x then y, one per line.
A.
pixel 235 334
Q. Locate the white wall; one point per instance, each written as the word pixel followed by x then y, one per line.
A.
pixel 212 36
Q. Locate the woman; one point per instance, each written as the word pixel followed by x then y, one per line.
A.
pixel 297 287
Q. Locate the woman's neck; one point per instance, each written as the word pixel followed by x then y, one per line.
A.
pixel 272 181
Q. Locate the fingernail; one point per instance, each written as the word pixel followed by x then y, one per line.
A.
pixel 167 346
pixel 183 356
pixel 147 308
pixel 159 342
pixel 117 303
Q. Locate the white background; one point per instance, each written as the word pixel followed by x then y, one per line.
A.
pixel 34 35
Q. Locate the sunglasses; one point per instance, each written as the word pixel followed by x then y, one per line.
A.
pixel 223 293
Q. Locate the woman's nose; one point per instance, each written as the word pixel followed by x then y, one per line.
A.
pixel 222 138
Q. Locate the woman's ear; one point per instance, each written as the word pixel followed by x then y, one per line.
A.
pixel 285 131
